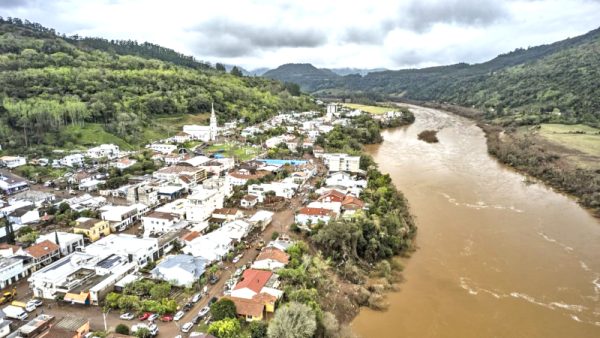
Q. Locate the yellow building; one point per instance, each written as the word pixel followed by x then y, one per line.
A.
pixel 92 228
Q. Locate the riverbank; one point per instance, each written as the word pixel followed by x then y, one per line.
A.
pixel 566 169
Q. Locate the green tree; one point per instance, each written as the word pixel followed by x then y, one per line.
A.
pixel 143 332
pixel 223 308
pixel 295 320
pixel 220 67
pixel 235 71
pixel 258 329
pixel 122 329
pixel 160 291
pixel 226 328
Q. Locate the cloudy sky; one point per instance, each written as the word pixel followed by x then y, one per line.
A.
pixel 327 33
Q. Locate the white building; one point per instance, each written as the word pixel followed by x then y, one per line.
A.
pixel 204 133
pixel 270 259
pixel 74 160
pixel 110 151
pixel 281 189
pixel 308 215
pixel 203 201
pixel 161 222
pixel 163 147
pixel 341 179
pixel 124 163
pixel 181 270
pixel 11 270
pixel 212 247
pixel 24 215
pixel 11 183
pixel 140 251
pixel 121 216
pixel 12 161
pixel 262 218
pixel 342 162
pixel 68 242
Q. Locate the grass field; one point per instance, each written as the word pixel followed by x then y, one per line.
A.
pixel 239 152
pixel 92 134
pixel 377 110
pixel 578 137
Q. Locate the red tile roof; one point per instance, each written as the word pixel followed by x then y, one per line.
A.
pixel 274 254
pixel 315 211
pixel 42 249
pixel 351 202
pixel 254 280
pixel 333 196
pixel 248 307
pixel 190 236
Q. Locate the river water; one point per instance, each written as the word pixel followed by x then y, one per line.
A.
pixel 496 257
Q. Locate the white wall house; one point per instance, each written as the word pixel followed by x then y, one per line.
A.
pixel 270 259
pixel 281 189
pixel 342 162
pixel 163 147
pixel 13 161
pixel 139 250
pixel 308 215
pixel 202 203
pixel 24 215
pixel 110 151
pixel 11 270
pixel 161 222
pixel 121 216
pixel 11 183
pixel 74 160
pixel 68 242
pixel 182 270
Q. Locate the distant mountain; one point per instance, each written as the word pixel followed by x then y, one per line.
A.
pixel 309 77
pixel 359 71
pixel 563 76
pixel 258 71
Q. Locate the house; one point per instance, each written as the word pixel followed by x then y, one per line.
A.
pixel 173 173
pixel 120 217
pixel 92 228
pixel 174 158
pixel 352 203
pixel 163 148
pixel 143 193
pixel 261 219
pixel 67 241
pixel 248 201
pixel 123 163
pixel 254 282
pixel 345 180
pixel 161 222
pixel 180 270
pixel 332 196
pixel 170 192
pixel 342 162
pixel 12 161
pixel 218 166
pixel 227 214
pixel 36 197
pixel 250 131
pixel 81 177
pixel 84 202
pixel 248 309
pixel 72 161
pixel 196 161
pixel 11 271
pixel 271 258
pixel 43 253
pixel 202 203
pixel 110 151
pixel 24 215
pixel 306 215
pixel 181 137
pixel 140 251
pixel 37 327
pixel 281 189
pixel 242 176
pixel 9 250
pixel 11 183
pixel 212 247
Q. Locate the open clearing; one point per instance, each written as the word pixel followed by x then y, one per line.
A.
pixel 579 137
pixel 377 110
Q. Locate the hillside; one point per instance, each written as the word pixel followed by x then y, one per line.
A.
pixel 306 75
pixel 556 82
pixel 48 82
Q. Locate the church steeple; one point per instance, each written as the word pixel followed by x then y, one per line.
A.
pixel 213 123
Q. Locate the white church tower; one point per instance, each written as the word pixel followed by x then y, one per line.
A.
pixel 214 128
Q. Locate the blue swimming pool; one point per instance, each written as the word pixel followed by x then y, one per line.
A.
pixel 282 162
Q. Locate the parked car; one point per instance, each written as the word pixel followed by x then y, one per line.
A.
pixel 237 258
pixel 196 320
pixel 127 316
pixel 187 327
pixel 203 311
pixel 145 316
pixel 196 297
pixel 178 315
pixel 36 302
pixel 154 329
pixel 213 279
pixel 188 306
pixel 153 317
pixel 166 318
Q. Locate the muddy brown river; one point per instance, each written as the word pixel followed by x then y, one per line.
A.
pixel 496 257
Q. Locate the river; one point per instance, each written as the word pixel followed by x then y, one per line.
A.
pixel 496 257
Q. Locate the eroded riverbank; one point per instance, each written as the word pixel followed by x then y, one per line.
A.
pixel 496 256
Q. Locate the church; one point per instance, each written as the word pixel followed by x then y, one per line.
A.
pixel 204 133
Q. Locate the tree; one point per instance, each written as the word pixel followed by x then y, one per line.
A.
pixel 223 308
pixel 293 321
pixel 226 328
pixel 235 71
pixel 143 332
pixel 160 291
pixel 258 329
pixel 122 329
pixel 220 67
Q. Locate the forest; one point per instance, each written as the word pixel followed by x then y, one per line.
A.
pixel 48 82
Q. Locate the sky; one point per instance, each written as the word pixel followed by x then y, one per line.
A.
pixel 327 33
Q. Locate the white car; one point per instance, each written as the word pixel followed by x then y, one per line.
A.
pixel 237 258
pixel 153 317
pixel 178 315
pixel 35 302
pixel 187 327
pixel 196 297
pixel 203 311
pixel 127 316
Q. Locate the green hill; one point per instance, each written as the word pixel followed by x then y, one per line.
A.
pixel 556 82
pixel 49 82
pixel 306 75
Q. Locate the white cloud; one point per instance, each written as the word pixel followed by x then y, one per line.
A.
pixel 368 34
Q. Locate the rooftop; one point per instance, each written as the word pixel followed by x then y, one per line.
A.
pixel 42 249
pixel 273 254
pixel 162 215
pixel 315 211
pixel 71 323
pixel 254 280
pixel 87 223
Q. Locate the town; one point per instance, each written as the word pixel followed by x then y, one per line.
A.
pixel 160 240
